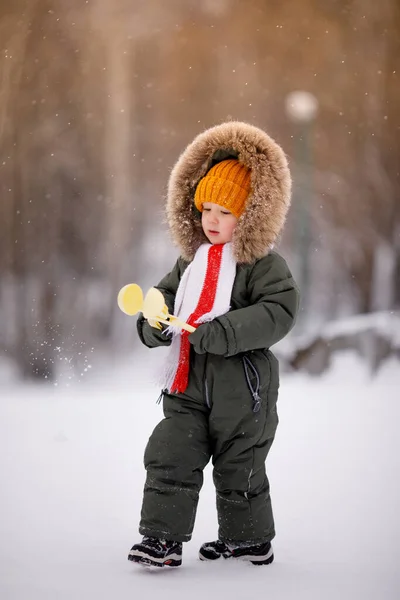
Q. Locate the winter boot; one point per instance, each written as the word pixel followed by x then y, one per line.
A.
pixel 260 554
pixel 214 550
pixel 157 553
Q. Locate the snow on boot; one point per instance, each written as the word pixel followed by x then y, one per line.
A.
pixel 155 552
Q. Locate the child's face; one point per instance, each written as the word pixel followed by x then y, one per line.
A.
pixel 218 223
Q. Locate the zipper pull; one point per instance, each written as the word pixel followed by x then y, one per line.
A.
pixel 256 403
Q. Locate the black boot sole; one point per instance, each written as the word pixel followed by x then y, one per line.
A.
pixel 149 562
pixel 263 562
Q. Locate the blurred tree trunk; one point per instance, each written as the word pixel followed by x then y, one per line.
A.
pixel 98 99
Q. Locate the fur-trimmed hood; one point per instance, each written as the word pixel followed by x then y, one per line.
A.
pixel 263 218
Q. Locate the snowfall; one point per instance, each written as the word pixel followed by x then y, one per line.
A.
pixel 72 477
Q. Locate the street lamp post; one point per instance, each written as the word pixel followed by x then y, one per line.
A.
pixel 302 108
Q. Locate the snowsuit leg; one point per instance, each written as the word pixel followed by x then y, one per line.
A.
pixel 175 456
pixel 242 439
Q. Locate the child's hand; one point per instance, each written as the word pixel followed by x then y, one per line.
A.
pixel 209 337
pixel 151 336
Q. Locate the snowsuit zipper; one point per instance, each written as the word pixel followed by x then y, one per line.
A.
pixel 205 384
pixel 249 367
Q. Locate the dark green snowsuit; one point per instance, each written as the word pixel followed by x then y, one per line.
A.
pixel 228 412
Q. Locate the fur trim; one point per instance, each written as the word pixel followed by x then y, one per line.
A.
pixel 264 216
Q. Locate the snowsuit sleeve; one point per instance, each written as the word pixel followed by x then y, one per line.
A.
pixel 150 336
pixel 273 306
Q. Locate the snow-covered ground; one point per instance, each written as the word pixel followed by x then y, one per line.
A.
pixel 72 477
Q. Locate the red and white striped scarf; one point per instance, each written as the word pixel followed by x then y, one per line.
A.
pixel 204 293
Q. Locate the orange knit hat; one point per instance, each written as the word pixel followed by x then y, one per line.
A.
pixel 227 183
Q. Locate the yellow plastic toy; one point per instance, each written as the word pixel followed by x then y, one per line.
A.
pixel 153 307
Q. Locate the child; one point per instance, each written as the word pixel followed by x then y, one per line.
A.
pixel 228 196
